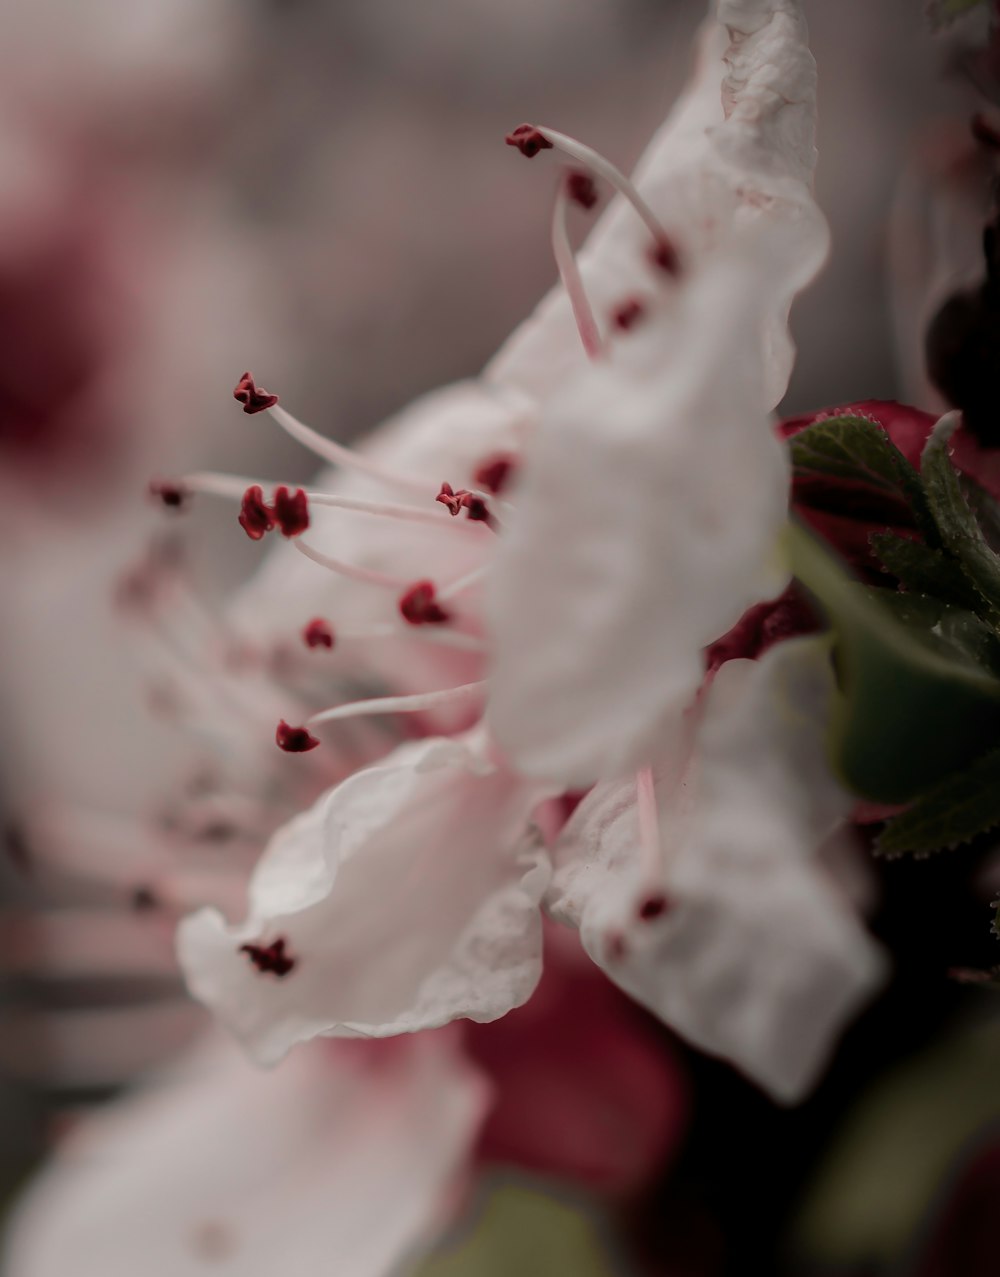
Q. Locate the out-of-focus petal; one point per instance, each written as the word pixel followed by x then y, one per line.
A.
pixel 406 897
pixel 339 1161
pixel 755 955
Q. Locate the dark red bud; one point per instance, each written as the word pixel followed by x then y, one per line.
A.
pixel 173 495
pixel 627 314
pixel 654 906
pixel 494 474
pixel 664 257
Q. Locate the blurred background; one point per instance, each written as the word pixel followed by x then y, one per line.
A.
pixel 318 190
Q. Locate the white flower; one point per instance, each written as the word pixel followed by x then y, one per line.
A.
pixel 654 490
pixel 723 923
pixel 341 1161
pixel 406 897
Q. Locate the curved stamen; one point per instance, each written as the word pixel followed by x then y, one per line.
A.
pixel 399 704
pixel 368 576
pixel 571 278
pixel 337 454
pixel 543 137
pixel 650 845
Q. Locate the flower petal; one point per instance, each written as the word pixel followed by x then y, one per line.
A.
pixel 757 957
pixel 647 523
pixel 406 897
pixel 341 1160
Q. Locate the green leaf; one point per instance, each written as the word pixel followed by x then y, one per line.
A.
pixel 529 1232
pixel 942 13
pixel 953 812
pixel 922 570
pixel 917 700
pixel 857 450
pixel 956 521
pixel 985 508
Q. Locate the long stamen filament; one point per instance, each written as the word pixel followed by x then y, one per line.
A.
pixel 603 168
pixel 651 848
pixel 399 704
pixel 369 576
pixel 337 454
pixel 571 278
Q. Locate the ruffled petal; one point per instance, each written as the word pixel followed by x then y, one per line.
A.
pixel 405 898
pixel 754 955
pixel 342 1161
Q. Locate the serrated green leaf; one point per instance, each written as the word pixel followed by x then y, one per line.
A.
pixel 856 450
pixel 942 13
pixel 957 524
pixel 951 813
pixel 916 701
pixel 922 570
pixel 985 508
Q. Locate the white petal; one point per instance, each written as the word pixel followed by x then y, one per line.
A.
pixel 647 523
pixel 408 896
pixel 654 491
pixel 758 959
pixel 736 153
pixel 339 1161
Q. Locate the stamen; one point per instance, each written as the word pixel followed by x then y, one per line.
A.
pixel 627 314
pixel 368 576
pixel 254 398
pixel 232 487
pixel 462 583
pixel 173 495
pixel 419 605
pixel 528 140
pixel 294 740
pixel 654 906
pixel 572 281
pixel 494 474
pixel 650 847
pixel 451 499
pixel 256 516
pixel 337 454
pixel 318 633
pixel 291 511
pixel 271 959
pixel 399 704
pixel 581 189
pixel 665 255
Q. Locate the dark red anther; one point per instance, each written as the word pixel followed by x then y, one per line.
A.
pixel 581 188
pixel 419 605
pixel 476 508
pixel 294 740
pixel 494 474
pixel 270 959
pixel 291 511
pixel 144 900
pixel 654 906
pixel 256 516
pixel 173 495
pixel 318 633
pixel 450 498
pixel 664 257
pixel 627 314
pixel 254 398
pixel 528 140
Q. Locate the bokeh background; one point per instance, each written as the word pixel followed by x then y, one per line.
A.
pixel 318 190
